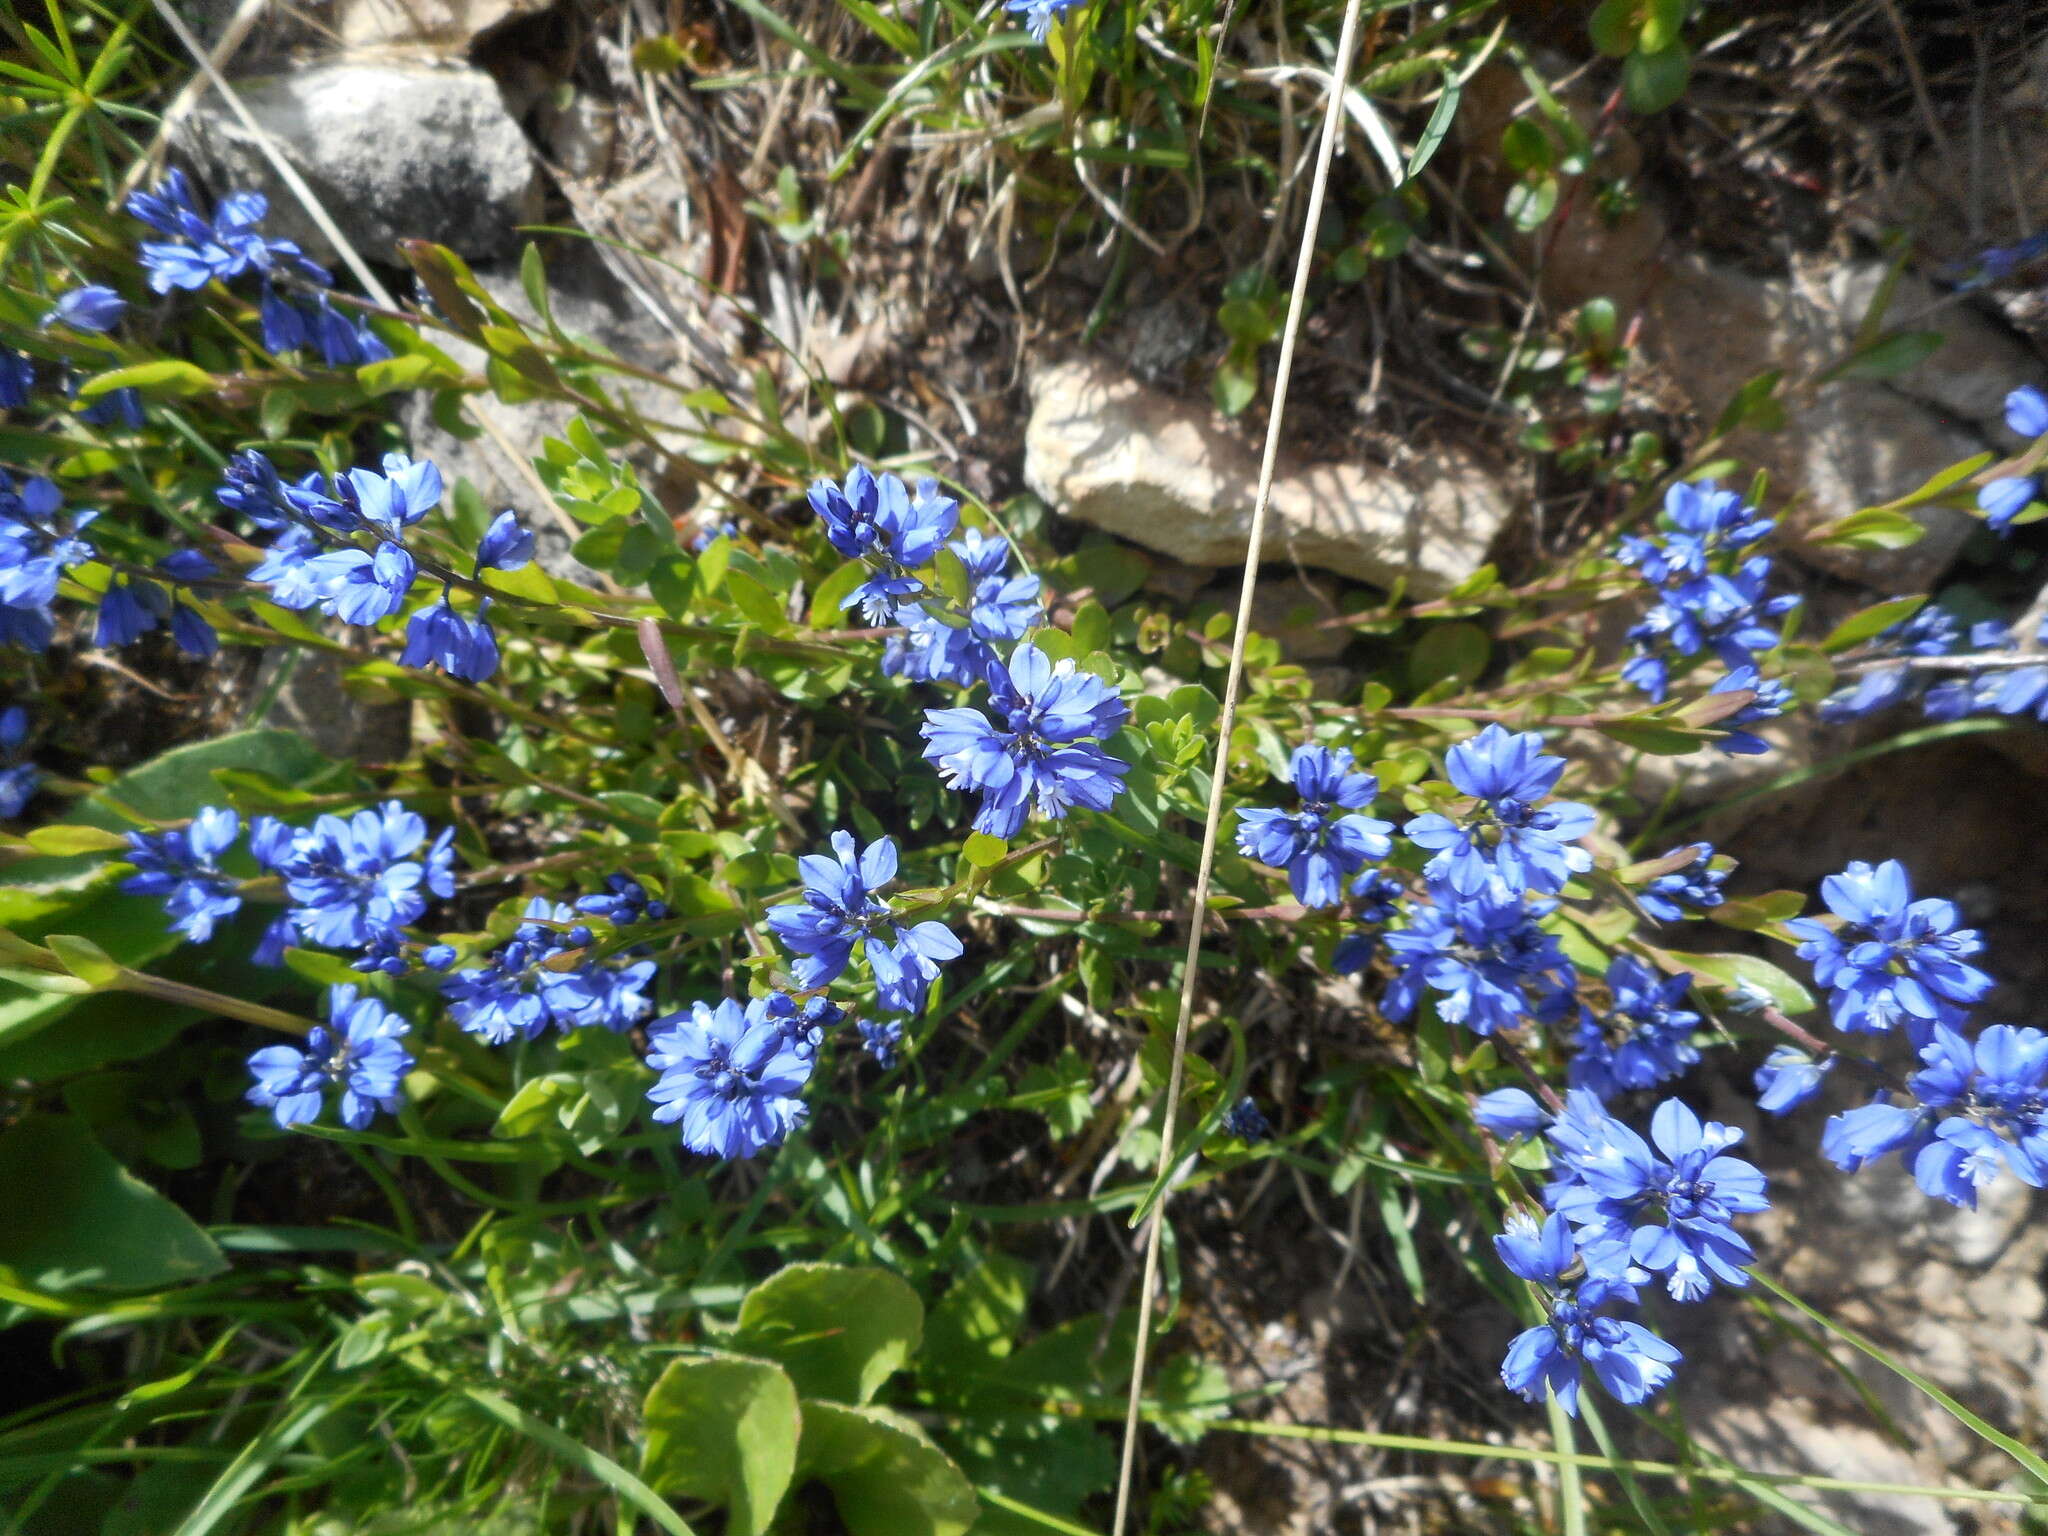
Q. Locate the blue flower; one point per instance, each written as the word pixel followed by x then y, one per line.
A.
pixel 531 981
pixel 17 379
pixel 730 1075
pixel 18 776
pixel 1672 1205
pixel 1507 837
pixel 1628 1360
pixel 357 880
pixel 2022 691
pixel 1039 15
pixel 1726 613
pixel 1871 1131
pixel 875 518
pixel 389 503
pixel 38 543
pixel 881 1040
pixel 1893 959
pixel 2026 412
pixel 506 545
pixel 1694 885
pixel 1995 1096
pixel 1644 1039
pixel 361 587
pixel 128 611
pixel 1510 1112
pixel 623 901
pixel 252 486
pixel 1788 1078
pixel 201 249
pixel 93 309
pixel 1702 521
pixel 1038 757
pixel 840 909
pixel 1480 957
pixel 1317 847
pixel 291 570
pixel 804 1024
pixel 1772 699
pixel 1246 1121
pixel 2004 499
pixel 465 648
pixel 358 1049
pixel 182 866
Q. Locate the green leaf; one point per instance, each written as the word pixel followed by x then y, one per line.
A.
pixel 409 371
pixel 84 959
pixel 166 376
pixel 1437 128
pixel 1935 485
pixel 70 1216
pixel 826 610
pixel 1526 147
pixel 1755 404
pixel 756 602
pixel 1661 21
pixel 1874 620
pixel 840 1332
pixel 1646 735
pixel 64 839
pixel 1615 26
pixel 1872 528
pixel 1236 385
pixel 529 581
pixel 1650 82
pixel 1448 651
pixel 1748 970
pixel 886 1477
pixel 983 851
pixel 723 1429
pixel 976 1322
pixel 1890 356
pixel 537 1104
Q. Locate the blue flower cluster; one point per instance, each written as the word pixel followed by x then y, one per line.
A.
pixel 1320 845
pixel 1892 960
pixel 952 643
pixel 198 250
pixel 877 520
pixel 1643 1037
pixel 39 542
pixel 538 977
pixel 731 1074
pixel 351 883
pixel 1973 1110
pixel 358 1050
pixel 1034 748
pixel 341 548
pixel 1576 1288
pixel 1710 596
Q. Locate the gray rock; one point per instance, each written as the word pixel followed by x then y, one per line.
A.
pixel 393 148
pixel 302 691
pixel 1106 449
pixel 1859 442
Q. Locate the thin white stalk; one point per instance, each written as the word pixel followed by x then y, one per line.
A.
pixel 1148 1286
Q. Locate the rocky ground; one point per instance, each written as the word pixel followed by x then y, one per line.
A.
pixel 1761 238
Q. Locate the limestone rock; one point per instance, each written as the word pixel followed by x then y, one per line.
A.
pixel 1860 442
pixel 1141 464
pixel 393 148
pixel 450 23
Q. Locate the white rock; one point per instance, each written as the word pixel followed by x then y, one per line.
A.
pixel 1103 447
pixel 393 148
